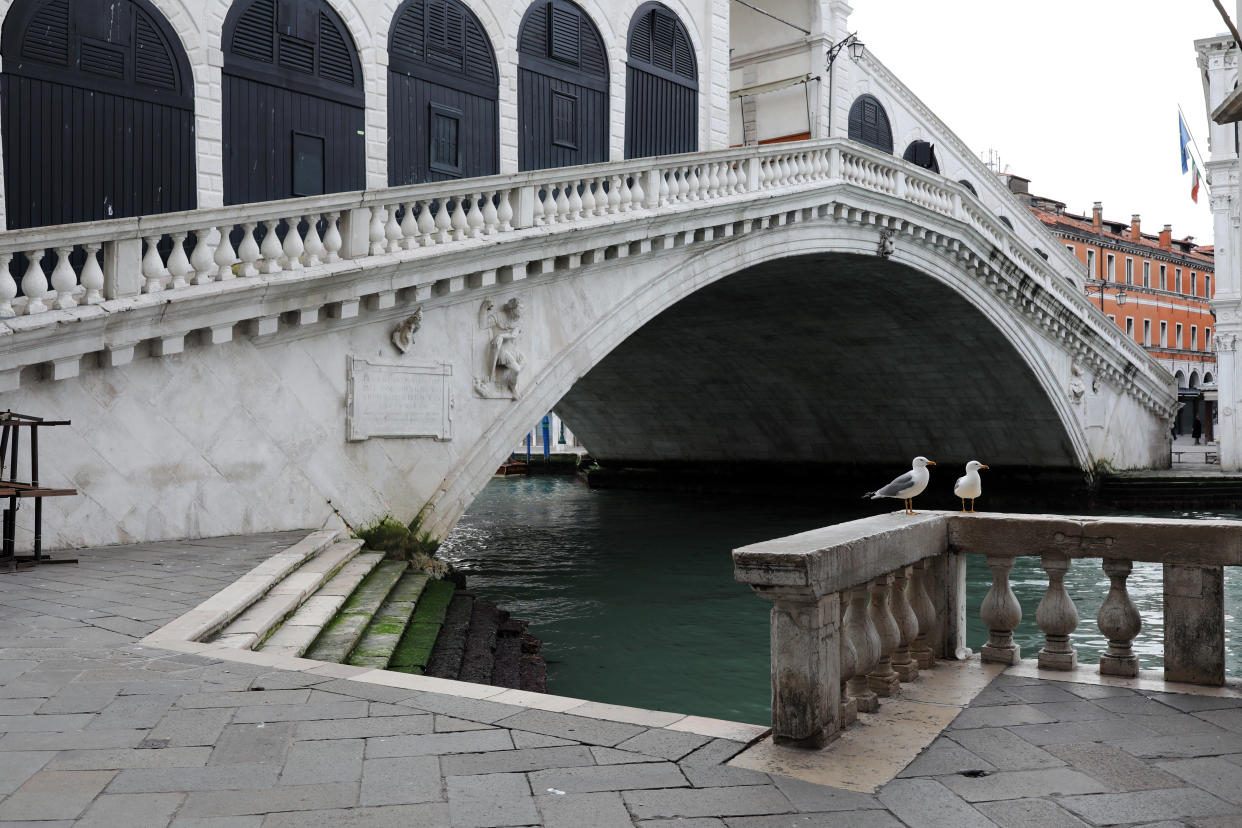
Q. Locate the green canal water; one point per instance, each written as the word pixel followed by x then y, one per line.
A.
pixel 633 595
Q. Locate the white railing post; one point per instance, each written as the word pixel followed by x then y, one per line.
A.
pixel 353 228
pixel 92 275
pixel 64 280
pixel 122 267
pixel 1120 622
pixel 1194 624
pixel 1057 617
pixel 1001 613
pixel 8 287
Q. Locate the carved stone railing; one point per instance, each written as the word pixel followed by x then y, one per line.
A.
pixel 859 608
pixel 440 238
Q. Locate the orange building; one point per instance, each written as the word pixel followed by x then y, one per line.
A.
pixel 1156 288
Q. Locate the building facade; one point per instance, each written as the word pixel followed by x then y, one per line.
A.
pixel 1157 289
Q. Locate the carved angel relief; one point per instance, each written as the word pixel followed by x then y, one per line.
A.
pixel 1076 386
pixel 502 361
pixel 403 334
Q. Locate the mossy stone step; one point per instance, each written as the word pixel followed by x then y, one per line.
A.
pixel 340 637
pixel 414 650
pixel 388 624
pixel 451 645
pixel 300 629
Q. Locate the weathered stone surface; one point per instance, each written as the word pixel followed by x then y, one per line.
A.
pixel 1115 768
pixel 925 803
pixel 599 810
pixel 1002 750
pixel 1022 784
pixel 1146 806
pixel 1194 624
pixel 1029 813
pixel 498 799
pixel 609 778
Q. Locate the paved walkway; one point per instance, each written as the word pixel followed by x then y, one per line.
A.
pixel 100 731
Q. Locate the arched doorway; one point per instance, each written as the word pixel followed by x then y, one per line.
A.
pixel 869 124
pixel 562 88
pixel 293 102
pixel 98 113
pixel 661 86
pixel 442 89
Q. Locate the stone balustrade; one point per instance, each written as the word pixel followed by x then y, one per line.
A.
pixel 859 608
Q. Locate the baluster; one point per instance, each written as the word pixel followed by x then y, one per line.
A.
pixel 92 275
pixel 1120 622
pixel 490 215
pixel 474 216
pixel 426 224
pixel 692 183
pixel 904 665
pixel 375 230
pixel 1057 617
pixel 332 239
pixel 293 248
pixel 444 227
pixel 560 205
pixel 409 227
pixel 178 263
pixel 550 206
pixel 715 179
pixel 925 611
pixel 392 229
pixel 34 283
pixel 866 643
pixel 200 259
pixel 683 184
pixel 1001 613
pixel 314 245
pixel 730 178
pixel 271 248
pixel 667 185
pixel 64 280
pixel 575 201
pixel 8 287
pixel 587 198
pixel 847 660
pixel 883 679
pixel 248 251
pixel 225 257
pixel 613 196
pixel 458 218
pixel 152 267
pixel 504 211
pixel 632 194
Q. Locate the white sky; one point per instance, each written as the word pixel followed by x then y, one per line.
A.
pixel 1080 96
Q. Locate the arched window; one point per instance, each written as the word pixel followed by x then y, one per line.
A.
pixel 293 102
pixel 1207 378
pixel 98 105
pixel 1005 221
pixel 562 88
pixel 661 86
pixel 1194 379
pixel 442 90
pixel 922 153
pixel 869 124
pixel 969 186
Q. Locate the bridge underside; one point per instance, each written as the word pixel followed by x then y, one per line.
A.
pixel 826 359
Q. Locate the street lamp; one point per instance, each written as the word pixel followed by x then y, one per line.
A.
pixel 1099 288
pixel 856 48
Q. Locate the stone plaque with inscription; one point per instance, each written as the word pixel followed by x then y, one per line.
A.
pixel 391 400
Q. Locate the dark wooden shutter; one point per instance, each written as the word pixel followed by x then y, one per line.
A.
pixel 869 124
pixel 254 34
pixel 661 88
pixel 922 153
pixel 98 113
pixel 336 58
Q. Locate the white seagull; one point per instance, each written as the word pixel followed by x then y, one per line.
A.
pixel 908 486
pixel 969 486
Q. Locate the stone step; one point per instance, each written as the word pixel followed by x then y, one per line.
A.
pixel 450 646
pixel 534 672
pixel 414 650
pixel 286 595
pixel 300 629
pixel 507 666
pixel 339 638
pixel 384 631
pixel 476 665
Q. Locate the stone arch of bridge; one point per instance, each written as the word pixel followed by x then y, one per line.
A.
pixel 1019 380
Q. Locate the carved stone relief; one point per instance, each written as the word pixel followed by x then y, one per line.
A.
pixel 502 362
pixel 403 334
pixel 1076 386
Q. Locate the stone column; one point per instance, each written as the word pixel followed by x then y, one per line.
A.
pixel 883 679
pixel 806 693
pixel 866 641
pixel 1120 622
pixel 922 648
pixel 1194 624
pixel 1002 613
pixel 1057 618
pixel 906 667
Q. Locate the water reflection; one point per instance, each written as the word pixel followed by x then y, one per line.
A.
pixel 634 598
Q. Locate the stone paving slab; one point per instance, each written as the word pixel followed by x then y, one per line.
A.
pixel 98 728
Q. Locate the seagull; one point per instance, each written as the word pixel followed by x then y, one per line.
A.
pixel 908 486
pixel 969 486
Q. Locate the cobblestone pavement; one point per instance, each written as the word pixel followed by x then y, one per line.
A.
pixel 100 731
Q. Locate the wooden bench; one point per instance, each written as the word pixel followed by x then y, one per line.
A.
pixel 17 490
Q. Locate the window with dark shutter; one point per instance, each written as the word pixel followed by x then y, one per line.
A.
pixel 308 161
pixel 254 33
pixel 922 153
pixel 659 40
pixel 336 59
pixel 564 35
pixel 153 62
pixel 564 120
pixel 47 36
pixel 869 124
pixel 969 186
pixel 300 44
pixel 445 135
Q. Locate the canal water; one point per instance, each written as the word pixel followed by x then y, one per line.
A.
pixel 632 593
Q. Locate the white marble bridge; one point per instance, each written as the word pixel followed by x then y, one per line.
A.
pixel 275 365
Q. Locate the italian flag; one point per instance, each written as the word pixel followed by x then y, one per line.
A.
pixel 1194 181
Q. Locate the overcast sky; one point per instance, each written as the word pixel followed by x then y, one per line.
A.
pixel 1080 96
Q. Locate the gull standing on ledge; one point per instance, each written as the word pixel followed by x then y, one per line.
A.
pixel 969 486
pixel 908 486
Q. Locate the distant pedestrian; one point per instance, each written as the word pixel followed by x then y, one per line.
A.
pixel 1196 430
